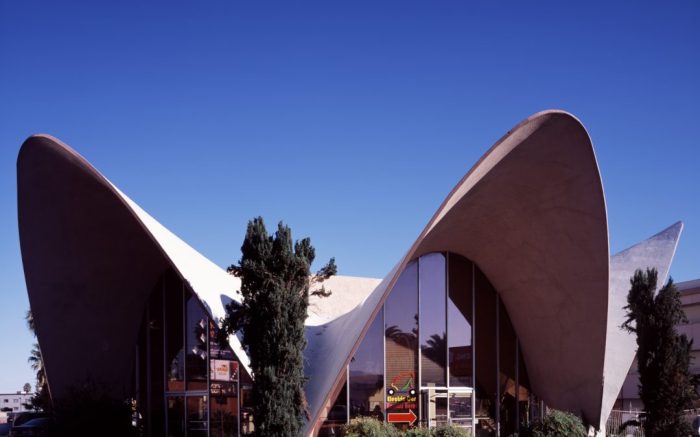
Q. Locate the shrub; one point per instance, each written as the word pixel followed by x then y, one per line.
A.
pixel 370 427
pixel 417 432
pixel 449 431
pixel 556 423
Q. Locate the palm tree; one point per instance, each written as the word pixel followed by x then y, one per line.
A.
pixel 37 364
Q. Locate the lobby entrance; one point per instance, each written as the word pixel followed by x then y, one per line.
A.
pixel 442 406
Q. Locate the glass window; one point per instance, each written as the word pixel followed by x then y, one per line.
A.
pixel 176 416
pixel 434 407
pixel 433 323
pixel 507 362
pixel 523 392
pixel 197 416
pixel 460 409
pixel 156 414
pixel 485 342
pixel 367 374
pixel 197 332
pixel 401 332
pixel 337 416
pixel 224 374
pixel 174 341
pixel 459 319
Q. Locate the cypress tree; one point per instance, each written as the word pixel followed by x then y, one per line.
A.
pixel 275 284
pixel 666 386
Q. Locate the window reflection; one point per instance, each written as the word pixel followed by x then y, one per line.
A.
pixel 433 336
pixel 176 416
pixel 506 344
pixel 400 330
pixel 367 374
pixel 459 317
pixel 196 346
pixel 485 341
pixel 175 352
pixel 337 416
pixel 197 416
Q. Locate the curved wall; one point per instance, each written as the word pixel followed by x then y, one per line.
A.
pixel 89 267
pixel 531 214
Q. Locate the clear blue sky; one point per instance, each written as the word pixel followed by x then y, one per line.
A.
pixel 349 120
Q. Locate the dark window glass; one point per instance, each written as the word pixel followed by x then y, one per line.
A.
pixel 401 333
pixel 459 321
pixel 224 374
pixel 196 348
pixel 156 419
pixel 523 392
pixel 176 416
pixel 197 416
pixel 247 427
pixel 433 323
pixel 367 374
pixel 224 416
pixel 337 416
pixel 174 341
pixel 141 372
pixel 485 342
pixel 507 362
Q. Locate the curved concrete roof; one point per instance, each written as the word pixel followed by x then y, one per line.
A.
pixel 656 252
pixel 531 214
pixel 91 258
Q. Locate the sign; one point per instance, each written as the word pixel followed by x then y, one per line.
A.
pixel 409 417
pixel 223 370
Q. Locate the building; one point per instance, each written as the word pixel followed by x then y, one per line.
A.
pixel 508 299
pixel 13 403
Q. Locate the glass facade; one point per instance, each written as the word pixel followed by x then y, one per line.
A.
pixel 401 346
pixel 433 320
pixel 186 384
pixel 441 350
pixel 366 373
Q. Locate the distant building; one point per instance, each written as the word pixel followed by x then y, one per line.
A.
pixel 13 403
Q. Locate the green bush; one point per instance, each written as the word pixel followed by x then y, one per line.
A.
pixel 449 431
pixel 370 427
pixel 417 432
pixel 556 423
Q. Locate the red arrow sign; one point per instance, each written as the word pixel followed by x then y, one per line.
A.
pixel 409 417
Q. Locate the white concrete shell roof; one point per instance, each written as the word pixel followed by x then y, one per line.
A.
pixel 531 214
pixel 91 257
pixel 656 252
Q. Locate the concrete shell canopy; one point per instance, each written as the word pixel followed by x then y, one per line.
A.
pixel 531 214
pixel 91 258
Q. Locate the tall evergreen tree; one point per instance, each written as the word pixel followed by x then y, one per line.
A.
pixel 666 386
pixel 275 284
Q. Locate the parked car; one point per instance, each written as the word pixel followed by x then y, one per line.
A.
pixel 21 419
pixel 32 428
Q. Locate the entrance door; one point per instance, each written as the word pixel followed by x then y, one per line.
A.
pixel 446 406
pixel 433 407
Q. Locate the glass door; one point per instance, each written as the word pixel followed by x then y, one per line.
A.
pixel 433 407
pixel 460 408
